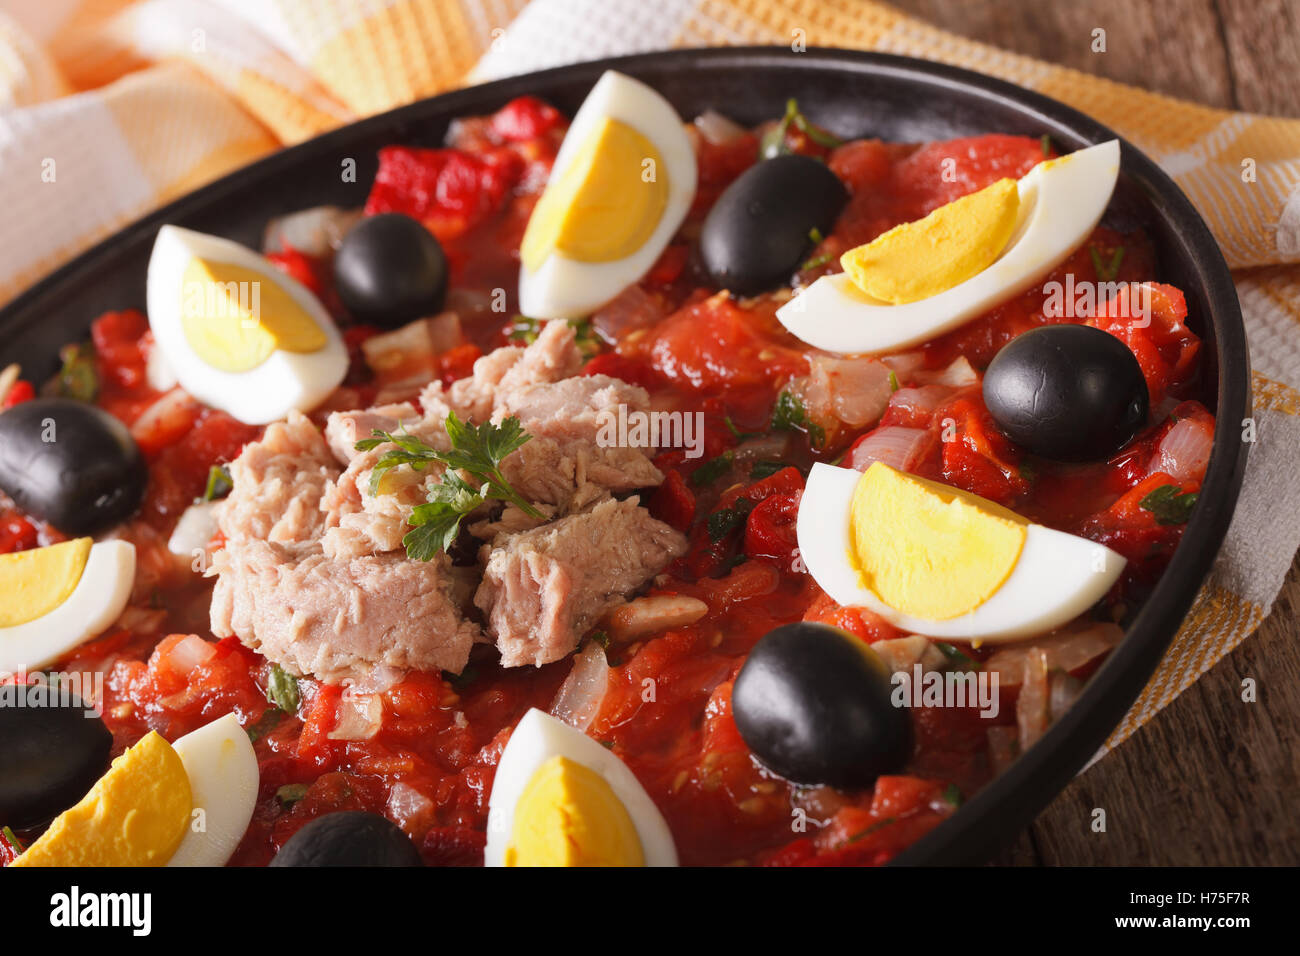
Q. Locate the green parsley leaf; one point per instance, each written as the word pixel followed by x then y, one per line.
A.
pixel 952 795
pixel 8 836
pixel 766 469
pixel 265 724
pixel 219 483
pixel 77 378
pixel 290 794
pixel 477 450
pixel 1169 504
pixel 1045 142
pixel 601 638
pixel 282 689
pixel 713 469
pixel 773 142
pixel 1106 272
pixel 722 522
pixel 790 415
pixel 524 330
pixel 893 381
pixel 959 659
pixel 736 433
pixel 878 825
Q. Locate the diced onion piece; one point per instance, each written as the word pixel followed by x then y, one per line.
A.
pixel 406 359
pixel 1066 650
pixel 188 652
pixel 141 620
pixel 716 128
pixel 359 716
pixel 195 529
pixel 579 698
pixel 314 232
pixel 632 309
pixel 1063 690
pixel 166 420
pixel 854 391
pixel 649 615
pixel 893 445
pixel 1184 451
pixel 958 374
pixel 410 809
pixel 1032 716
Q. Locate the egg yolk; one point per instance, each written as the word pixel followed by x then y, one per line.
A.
pixel 927 549
pixel 136 815
pixel 235 317
pixel 606 203
pixel 568 815
pixel 35 582
pixel 920 259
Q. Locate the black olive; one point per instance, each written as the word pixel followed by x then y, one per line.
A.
pixel 760 229
pixel 349 838
pixel 813 704
pixel 390 270
pixel 1067 392
pixel 53 748
pixel 71 464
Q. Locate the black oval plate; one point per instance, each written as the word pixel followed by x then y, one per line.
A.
pixel 853 94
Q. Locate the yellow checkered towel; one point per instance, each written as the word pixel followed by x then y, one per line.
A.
pixel 110 107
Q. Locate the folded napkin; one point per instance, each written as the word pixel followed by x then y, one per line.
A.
pixel 109 108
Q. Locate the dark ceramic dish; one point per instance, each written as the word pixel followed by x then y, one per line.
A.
pixel 853 94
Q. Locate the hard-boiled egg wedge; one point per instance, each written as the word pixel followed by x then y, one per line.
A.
pixel 186 804
pixel 57 597
pixel 136 815
pixel 939 561
pixel 924 278
pixel 237 333
pixel 561 799
pixel 222 768
pixel 622 183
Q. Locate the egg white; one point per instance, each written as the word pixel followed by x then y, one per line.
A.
pixel 563 288
pixel 1057 577
pixel 99 597
pixel 286 381
pixel 224 777
pixel 536 739
pixel 1060 205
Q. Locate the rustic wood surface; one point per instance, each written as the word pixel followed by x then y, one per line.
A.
pixel 1209 780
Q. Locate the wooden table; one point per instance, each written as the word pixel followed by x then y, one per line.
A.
pixel 1210 780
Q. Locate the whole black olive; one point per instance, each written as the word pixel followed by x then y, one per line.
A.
pixel 390 270
pixel 349 838
pixel 813 704
pixel 1067 392
pixel 52 750
pixel 759 230
pixel 71 464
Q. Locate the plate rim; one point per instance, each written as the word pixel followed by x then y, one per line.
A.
pixel 1010 801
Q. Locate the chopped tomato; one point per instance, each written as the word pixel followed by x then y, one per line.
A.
pixel 976 455
pixel 673 502
pixel 21 391
pixel 770 530
pixel 448 190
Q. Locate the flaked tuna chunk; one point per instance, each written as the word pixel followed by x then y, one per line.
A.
pixel 344 429
pixel 279 592
pixel 570 461
pixel 336 619
pixel 278 484
pixel 359 520
pixel 553 356
pixel 543 589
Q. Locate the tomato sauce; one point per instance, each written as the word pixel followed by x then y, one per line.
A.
pixel 430 760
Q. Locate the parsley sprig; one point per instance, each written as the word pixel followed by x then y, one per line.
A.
pixel 1169 504
pixel 476 450
pixel 773 142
